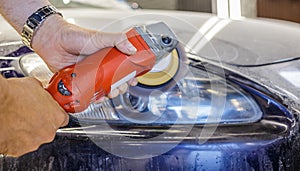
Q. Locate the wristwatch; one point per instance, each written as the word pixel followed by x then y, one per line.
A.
pixel 35 21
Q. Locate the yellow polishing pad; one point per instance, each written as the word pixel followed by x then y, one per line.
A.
pixel 155 78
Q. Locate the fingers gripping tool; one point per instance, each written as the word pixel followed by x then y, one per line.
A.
pixel 76 86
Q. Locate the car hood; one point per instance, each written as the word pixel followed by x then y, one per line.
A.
pixel 238 42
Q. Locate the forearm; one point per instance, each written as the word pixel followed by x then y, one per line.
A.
pixel 16 12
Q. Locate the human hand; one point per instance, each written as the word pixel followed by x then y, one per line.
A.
pixel 62 44
pixel 29 116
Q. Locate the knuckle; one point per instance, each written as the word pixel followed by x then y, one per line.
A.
pixel 61 120
pixel 49 137
pixel 45 135
pixel 123 88
pixel 31 148
pixel 114 93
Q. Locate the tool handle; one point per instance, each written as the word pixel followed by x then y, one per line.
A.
pixel 76 86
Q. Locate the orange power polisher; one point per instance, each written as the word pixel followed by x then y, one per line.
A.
pixel 76 86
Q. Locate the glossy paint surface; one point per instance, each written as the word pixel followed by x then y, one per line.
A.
pixel 270 142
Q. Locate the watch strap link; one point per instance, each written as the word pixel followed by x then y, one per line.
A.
pixel 35 21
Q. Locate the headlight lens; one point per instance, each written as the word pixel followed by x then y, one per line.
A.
pixel 178 105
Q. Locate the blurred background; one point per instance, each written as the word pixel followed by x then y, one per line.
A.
pixel 278 9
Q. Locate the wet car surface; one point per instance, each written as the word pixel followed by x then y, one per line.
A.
pixel 233 104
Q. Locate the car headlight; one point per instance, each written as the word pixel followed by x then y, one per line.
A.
pixel 178 105
pixel 187 99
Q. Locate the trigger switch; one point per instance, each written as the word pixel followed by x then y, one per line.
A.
pixel 62 89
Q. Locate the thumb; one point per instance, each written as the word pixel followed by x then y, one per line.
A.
pixel 119 40
pixel 125 46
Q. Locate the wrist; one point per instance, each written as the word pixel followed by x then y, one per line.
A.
pixel 48 33
pixel 35 21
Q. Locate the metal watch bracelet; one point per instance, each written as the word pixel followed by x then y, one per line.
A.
pixel 34 21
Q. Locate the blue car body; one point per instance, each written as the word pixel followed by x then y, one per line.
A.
pixel 257 127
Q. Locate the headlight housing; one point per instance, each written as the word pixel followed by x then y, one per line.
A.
pixel 193 96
